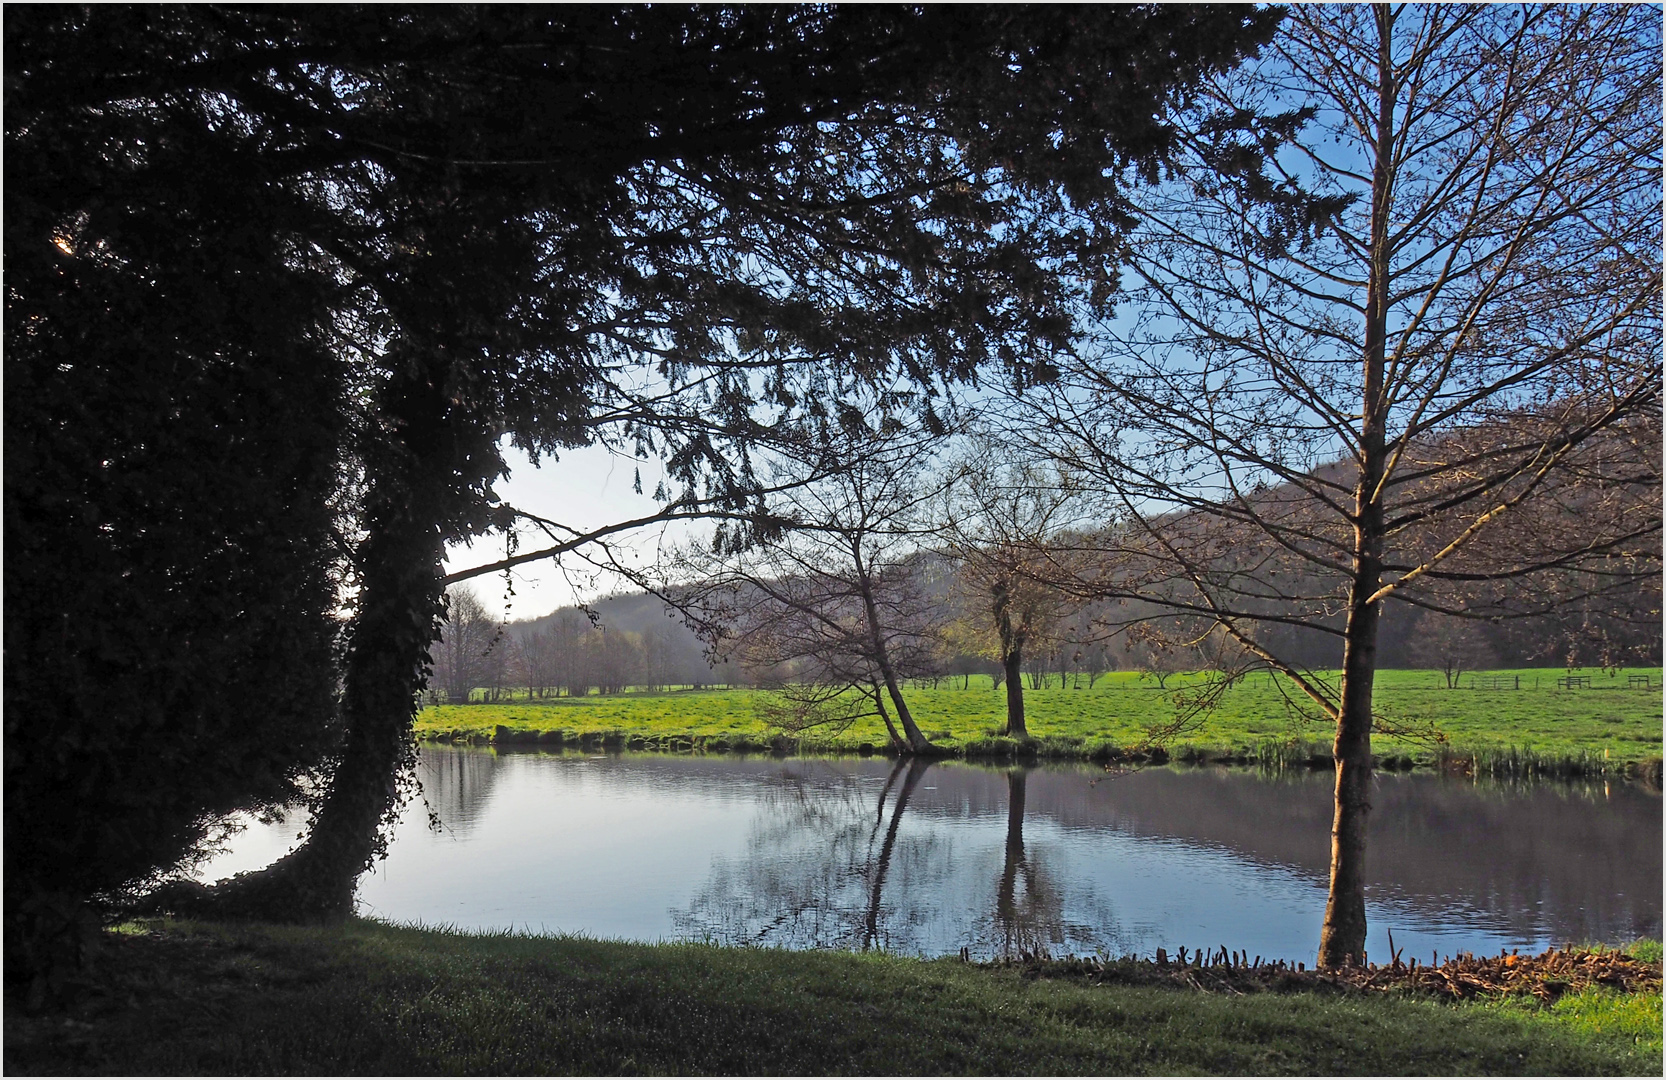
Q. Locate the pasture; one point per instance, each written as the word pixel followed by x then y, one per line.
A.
pixel 1612 719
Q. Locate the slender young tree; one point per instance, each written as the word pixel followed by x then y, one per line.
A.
pixel 1415 358
pixel 834 593
pixel 539 662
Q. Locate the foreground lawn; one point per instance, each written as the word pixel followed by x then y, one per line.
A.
pixel 1609 719
pixel 371 999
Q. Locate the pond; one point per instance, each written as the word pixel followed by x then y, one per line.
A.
pixel 932 858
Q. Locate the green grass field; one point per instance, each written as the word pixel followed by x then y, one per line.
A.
pixel 369 999
pixel 1610 721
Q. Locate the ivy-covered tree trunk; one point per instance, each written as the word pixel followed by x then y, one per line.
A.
pixel 392 630
pixel 413 503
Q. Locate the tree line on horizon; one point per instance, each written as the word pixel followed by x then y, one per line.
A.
pixel 478 657
pixel 622 641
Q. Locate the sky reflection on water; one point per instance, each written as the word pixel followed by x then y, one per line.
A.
pixel 811 853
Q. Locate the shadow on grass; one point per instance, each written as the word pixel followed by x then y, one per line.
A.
pixel 365 998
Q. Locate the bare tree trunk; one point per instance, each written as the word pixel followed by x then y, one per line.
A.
pixel 1342 941
pixel 1012 658
pixel 916 739
pixel 1014 663
pixel 897 741
pixel 1453 670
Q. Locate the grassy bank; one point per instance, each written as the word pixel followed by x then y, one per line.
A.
pixel 1537 728
pixel 370 999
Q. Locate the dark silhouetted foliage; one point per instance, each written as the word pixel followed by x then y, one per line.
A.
pixel 682 226
pixel 172 425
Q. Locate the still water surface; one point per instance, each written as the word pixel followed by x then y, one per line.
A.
pixel 931 858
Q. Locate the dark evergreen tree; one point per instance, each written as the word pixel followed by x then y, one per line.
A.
pixel 683 226
pixel 172 430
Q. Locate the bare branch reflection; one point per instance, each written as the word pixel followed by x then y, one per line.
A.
pixel 936 857
pixel 817 867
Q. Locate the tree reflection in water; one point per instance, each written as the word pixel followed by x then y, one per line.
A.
pixel 1029 914
pixel 1031 921
pixel 456 787
pixel 819 859
pixel 932 858
pixel 826 868
pixel 916 769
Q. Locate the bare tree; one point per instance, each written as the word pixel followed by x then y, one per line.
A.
pixel 999 521
pixel 655 653
pixel 836 597
pixel 1416 357
pixel 1450 646
pixel 501 666
pixel 1045 656
pixel 566 642
pixel 540 662
pixel 1158 658
pixel 611 659
pixel 1094 660
pixel 467 654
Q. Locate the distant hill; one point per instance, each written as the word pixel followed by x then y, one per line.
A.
pixel 635 612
